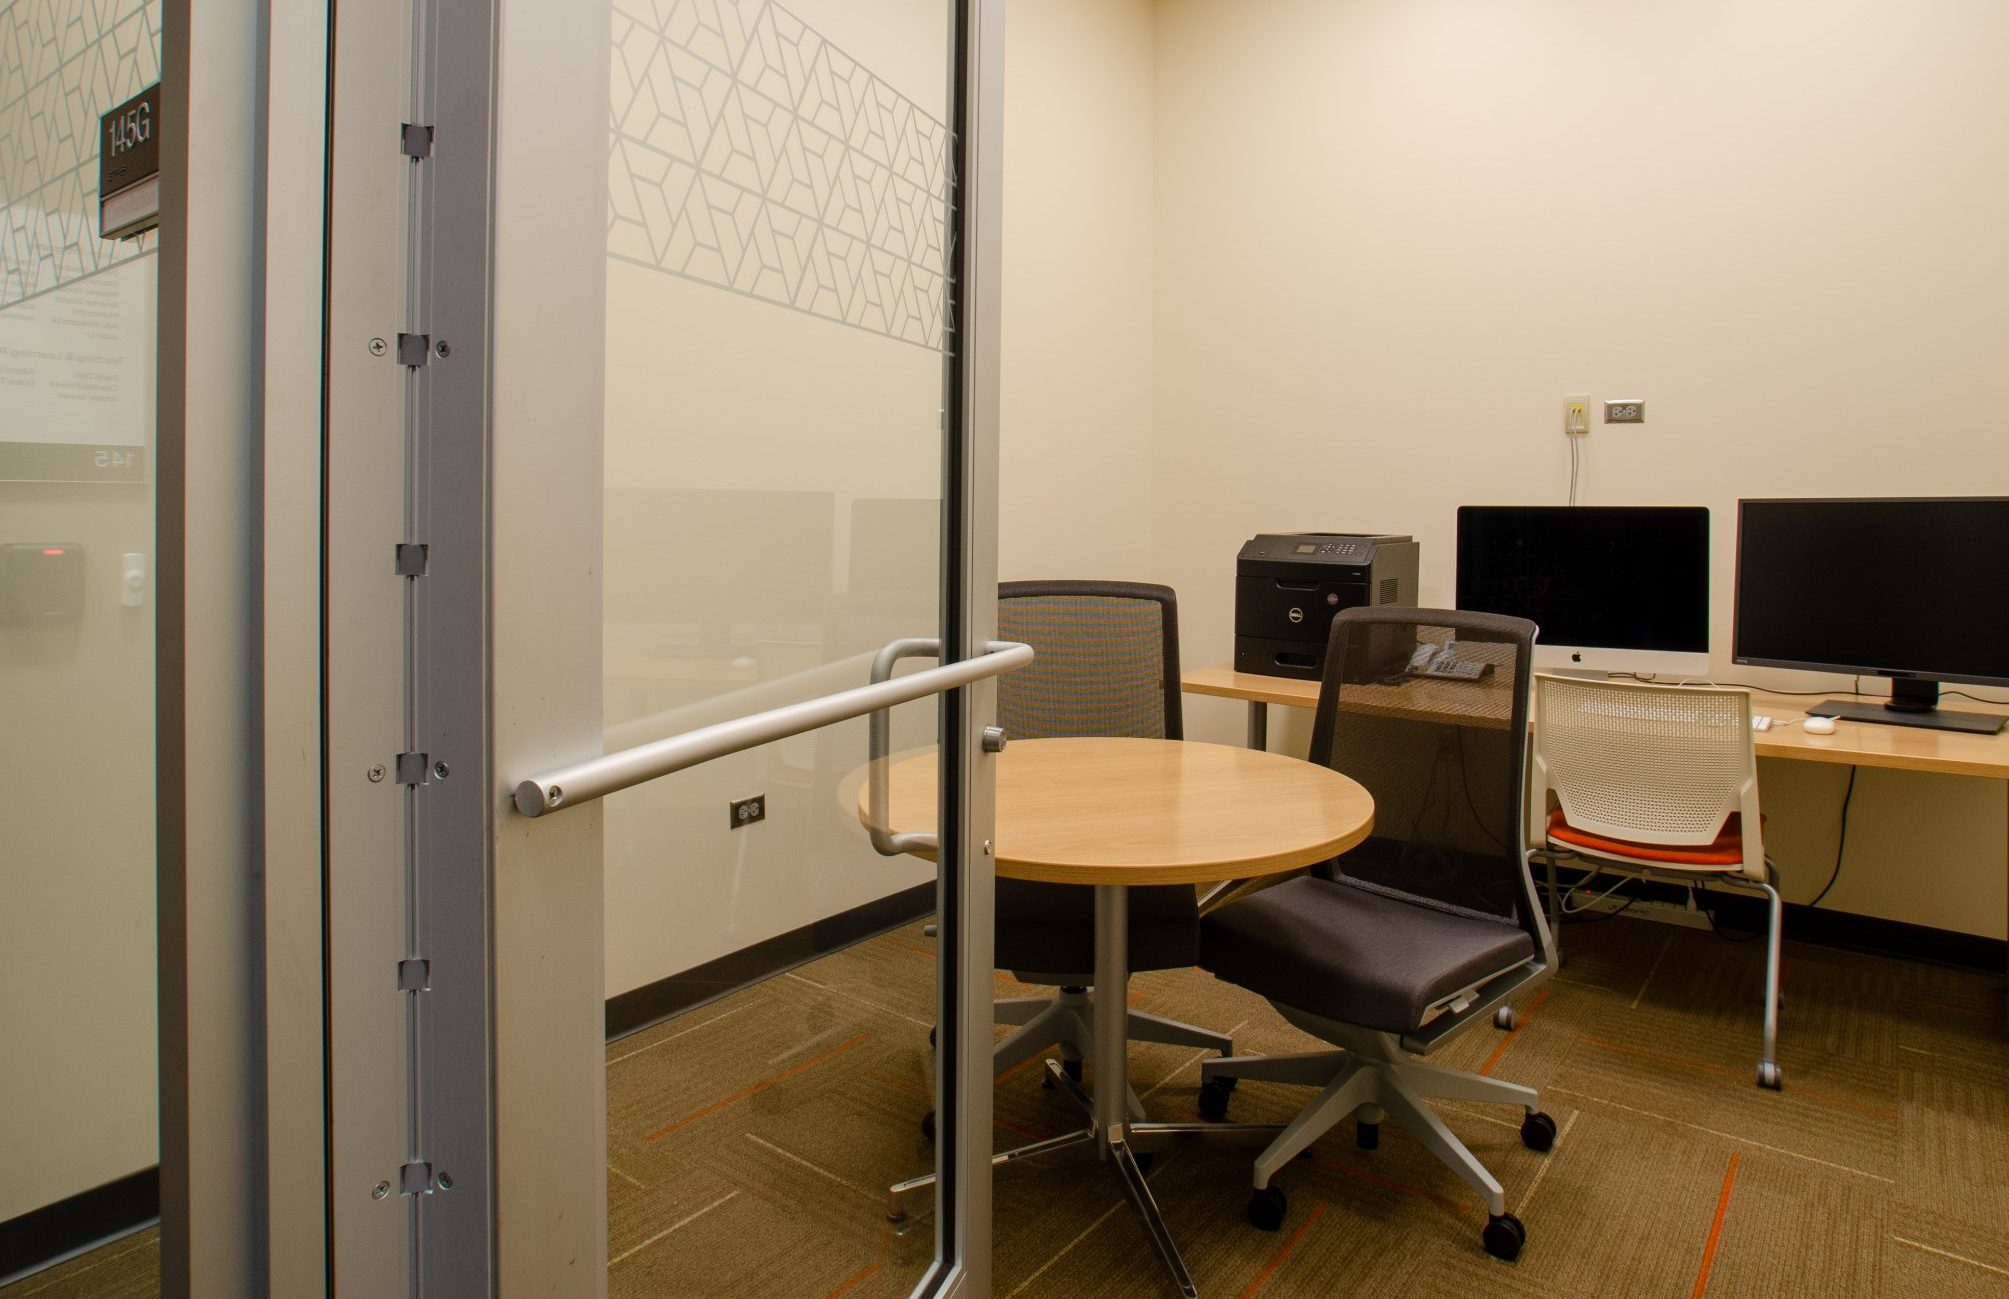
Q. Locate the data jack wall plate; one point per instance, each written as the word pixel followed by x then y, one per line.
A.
pixel 1576 414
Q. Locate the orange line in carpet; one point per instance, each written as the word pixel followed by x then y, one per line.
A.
pixel 853 1281
pixel 756 1088
pixel 1390 1184
pixel 1284 1251
pixel 1716 1229
pixel 902 1085
pixel 1018 1129
pixel 1806 1093
pixel 1521 1021
pixel 1031 1059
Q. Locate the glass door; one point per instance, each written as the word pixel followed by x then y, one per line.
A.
pixel 662 403
pixel 79 1141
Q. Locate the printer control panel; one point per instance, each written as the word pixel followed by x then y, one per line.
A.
pixel 1350 552
pixel 1317 547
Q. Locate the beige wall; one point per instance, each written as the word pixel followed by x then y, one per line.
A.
pixel 77 957
pixel 1390 235
pixel 1075 450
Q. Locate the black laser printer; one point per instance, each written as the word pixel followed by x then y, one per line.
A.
pixel 1289 585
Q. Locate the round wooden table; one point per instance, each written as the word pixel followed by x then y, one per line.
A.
pixel 1113 813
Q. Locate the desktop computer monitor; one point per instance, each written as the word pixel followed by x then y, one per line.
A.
pixel 1613 588
pixel 1905 589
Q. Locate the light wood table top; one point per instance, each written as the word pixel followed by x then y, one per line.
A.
pixel 1117 811
pixel 1862 744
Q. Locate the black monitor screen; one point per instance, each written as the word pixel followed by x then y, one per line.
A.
pixel 1616 577
pixel 1904 587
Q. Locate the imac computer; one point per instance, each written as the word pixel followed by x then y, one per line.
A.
pixel 1905 589
pixel 1613 588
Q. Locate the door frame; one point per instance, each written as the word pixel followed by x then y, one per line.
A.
pixel 490 235
pixel 237 682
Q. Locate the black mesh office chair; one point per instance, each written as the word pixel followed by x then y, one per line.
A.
pixel 1394 948
pixel 1108 664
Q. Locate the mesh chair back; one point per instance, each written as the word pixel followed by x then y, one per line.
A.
pixel 1108 661
pixel 1446 760
pixel 1653 764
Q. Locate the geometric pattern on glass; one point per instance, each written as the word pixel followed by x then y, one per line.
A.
pixel 62 64
pixel 751 154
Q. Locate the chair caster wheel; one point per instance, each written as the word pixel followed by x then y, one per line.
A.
pixel 931 1039
pixel 1367 1135
pixel 1769 1076
pixel 1267 1208
pixel 1073 1068
pixel 1504 1237
pixel 1214 1095
pixel 928 1125
pixel 1504 1018
pixel 1538 1131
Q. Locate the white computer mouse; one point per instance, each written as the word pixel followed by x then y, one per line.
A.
pixel 1820 726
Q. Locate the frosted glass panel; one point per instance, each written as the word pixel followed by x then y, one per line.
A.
pixel 776 315
pixel 78 1055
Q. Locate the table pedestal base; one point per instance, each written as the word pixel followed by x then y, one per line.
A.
pixel 1111 1132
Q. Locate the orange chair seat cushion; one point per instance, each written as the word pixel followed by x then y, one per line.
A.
pixel 1727 850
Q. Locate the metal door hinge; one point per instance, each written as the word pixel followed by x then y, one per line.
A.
pixel 413 349
pixel 415 1179
pixel 412 559
pixel 411 768
pixel 415 141
pixel 415 975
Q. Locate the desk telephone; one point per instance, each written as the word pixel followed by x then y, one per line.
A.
pixel 1442 663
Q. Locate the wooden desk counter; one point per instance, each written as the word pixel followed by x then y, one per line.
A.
pixel 1862 744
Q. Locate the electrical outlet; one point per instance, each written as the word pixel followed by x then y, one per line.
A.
pixel 1576 414
pixel 1625 410
pixel 745 811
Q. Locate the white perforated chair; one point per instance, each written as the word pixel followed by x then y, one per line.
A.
pixel 1659 782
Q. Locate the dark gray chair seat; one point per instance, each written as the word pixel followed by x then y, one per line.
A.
pixel 1050 928
pixel 1358 954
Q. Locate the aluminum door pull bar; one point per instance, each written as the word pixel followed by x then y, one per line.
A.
pixel 886 841
pixel 582 782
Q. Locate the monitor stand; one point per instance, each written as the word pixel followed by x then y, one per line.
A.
pixel 1912 703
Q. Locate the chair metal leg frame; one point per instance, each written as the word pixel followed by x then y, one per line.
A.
pixel 1020 1011
pixel 1769 1074
pixel 1061 1023
pixel 1170 1032
pixel 1067 1021
pixel 1370 1075
pixel 1768 1064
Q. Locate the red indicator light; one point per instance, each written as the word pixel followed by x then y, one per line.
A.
pixel 52 550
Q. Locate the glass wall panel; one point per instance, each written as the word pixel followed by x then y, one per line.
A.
pixel 776 308
pixel 77 923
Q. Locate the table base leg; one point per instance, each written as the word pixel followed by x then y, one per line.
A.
pixel 1154 1222
pixel 1259 724
pixel 896 1209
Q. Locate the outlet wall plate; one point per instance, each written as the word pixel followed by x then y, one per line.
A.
pixel 1625 410
pixel 745 811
